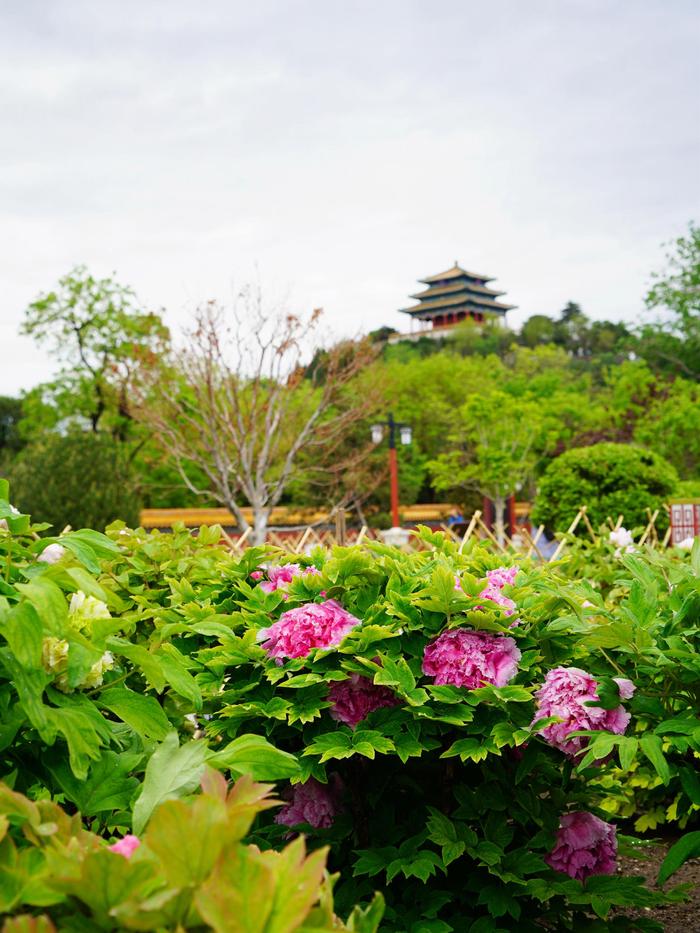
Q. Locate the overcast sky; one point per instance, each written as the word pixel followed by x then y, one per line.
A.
pixel 338 151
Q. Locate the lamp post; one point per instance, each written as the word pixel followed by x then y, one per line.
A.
pixel 405 436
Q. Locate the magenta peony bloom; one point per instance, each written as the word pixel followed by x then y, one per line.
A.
pixel 585 846
pixel 311 802
pixel 502 576
pixel 315 625
pixel 257 575
pixel 354 699
pixel 497 579
pixel 565 693
pixel 126 846
pixel 471 659
pixel 279 577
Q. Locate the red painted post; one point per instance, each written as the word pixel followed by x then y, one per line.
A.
pixel 394 478
pixel 512 524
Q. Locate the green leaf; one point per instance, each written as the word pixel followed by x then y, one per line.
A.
pixel 144 714
pixel 652 747
pixel 239 894
pixel 690 782
pixel 395 673
pixel 337 744
pixel 84 734
pixel 188 838
pixel 298 881
pixel 172 772
pixel 688 846
pixel 108 785
pixel 179 678
pixel 469 749
pixel 23 631
pixel 254 755
pixel 49 602
pixel 627 750
pixel 147 662
pixel 106 880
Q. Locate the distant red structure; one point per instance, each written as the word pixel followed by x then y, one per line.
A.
pixel 685 519
pixel 451 297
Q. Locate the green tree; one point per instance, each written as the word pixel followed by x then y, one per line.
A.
pixel 495 438
pixel 610 479
pixel 10 439
pixel 670 425
pixel 81 479
pixel 536 330
pixel 99 336
pixel 672 342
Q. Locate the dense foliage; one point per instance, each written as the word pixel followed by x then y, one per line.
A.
pixel 454 731
pixel 189 871
pixel 490 407
pixel 610 480
pixel 79 479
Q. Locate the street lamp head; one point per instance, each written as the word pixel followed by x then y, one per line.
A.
pixel 377 433
pixel 406 434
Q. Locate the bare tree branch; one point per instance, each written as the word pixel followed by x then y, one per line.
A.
pixel 241 403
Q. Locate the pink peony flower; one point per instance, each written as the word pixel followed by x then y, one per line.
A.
pixel 354 699
pixel 585 845
pixel 471 659
pixel 311 802
pixel 502 576
pixel 279 577
pixel 497 579
pixel 126 846
pixel 257 575
pixel 626 687
pixel 565 693
pixel 315 625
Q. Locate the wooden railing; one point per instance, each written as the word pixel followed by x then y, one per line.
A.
pixel 298 531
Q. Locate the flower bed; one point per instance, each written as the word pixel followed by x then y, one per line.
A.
pixel 447 742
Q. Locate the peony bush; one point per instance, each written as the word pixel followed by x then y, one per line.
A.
pixel 453 731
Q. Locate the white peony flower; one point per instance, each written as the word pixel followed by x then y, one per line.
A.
pixel 51 554
pixel 686 544
pixel 85 608
pixel 96 673
pixel 621 538
pixel 54 654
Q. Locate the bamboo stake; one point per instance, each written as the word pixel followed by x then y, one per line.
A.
pixel 533 542
pixel 229 540
pixel 570 530
pixel 490 534
pixel 589 527
pixel 647 530
pixel 304 539
pixel 448 531
pixel 470 528
pixel 361 534
pixel 667 537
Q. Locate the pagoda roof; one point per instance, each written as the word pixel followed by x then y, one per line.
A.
pixel 439 290
pixel 458 302
pixel 456 290
pixel 456 272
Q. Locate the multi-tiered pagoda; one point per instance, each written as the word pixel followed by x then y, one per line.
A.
pixel 455 296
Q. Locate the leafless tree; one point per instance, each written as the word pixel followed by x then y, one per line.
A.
pixel 251 391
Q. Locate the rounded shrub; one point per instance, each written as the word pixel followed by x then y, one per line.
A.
pixel 610 479
pixel 78 479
